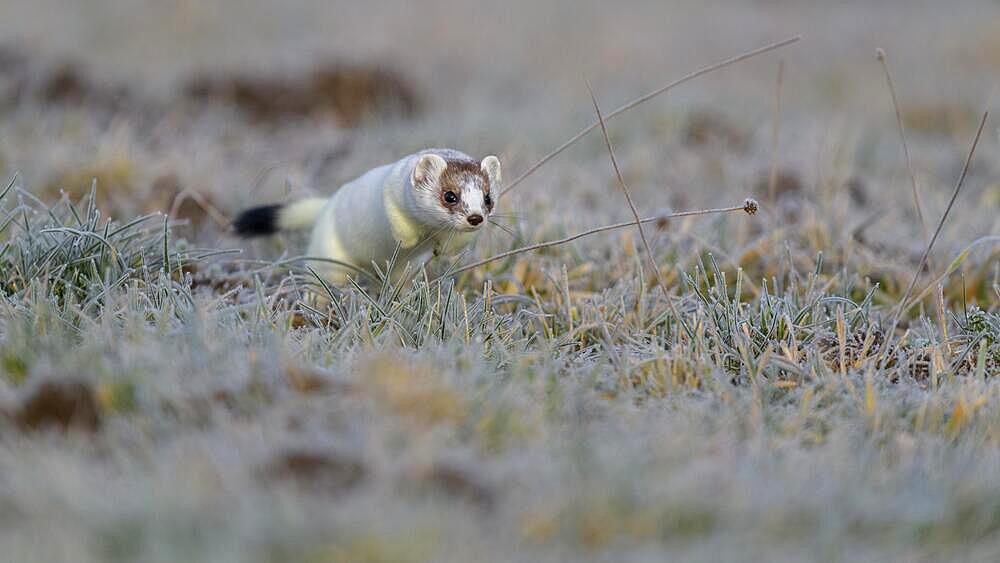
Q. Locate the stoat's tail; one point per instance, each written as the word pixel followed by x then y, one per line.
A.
pixel 269 219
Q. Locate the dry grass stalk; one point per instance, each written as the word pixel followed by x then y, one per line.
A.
pixel 749 206
pixel 646 97
pixel 930 245
pixel 772 182
pixel 631 204
pixel 880 55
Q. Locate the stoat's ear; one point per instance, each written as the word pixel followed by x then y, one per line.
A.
pixel 491 167
pixel 428 170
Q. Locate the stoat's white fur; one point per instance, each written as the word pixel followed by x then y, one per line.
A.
pixel 399 203
pixel 301 214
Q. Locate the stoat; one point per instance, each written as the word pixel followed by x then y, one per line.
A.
pixel 435 201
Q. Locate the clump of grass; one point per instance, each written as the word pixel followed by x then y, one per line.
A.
pixel 593 421
pixel 71 253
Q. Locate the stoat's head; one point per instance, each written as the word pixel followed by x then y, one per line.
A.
pixel 456 193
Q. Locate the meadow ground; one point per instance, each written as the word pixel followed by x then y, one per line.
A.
pixel 166 396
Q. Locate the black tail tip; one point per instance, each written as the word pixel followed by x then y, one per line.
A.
pixel 257 221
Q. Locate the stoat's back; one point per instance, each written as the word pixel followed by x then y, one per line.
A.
pixel 357 215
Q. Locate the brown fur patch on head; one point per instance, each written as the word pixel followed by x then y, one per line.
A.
pixel 459 173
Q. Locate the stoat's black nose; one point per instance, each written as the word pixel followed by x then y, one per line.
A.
pixel 474 219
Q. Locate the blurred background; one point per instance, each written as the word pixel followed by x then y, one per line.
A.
pixel 240 102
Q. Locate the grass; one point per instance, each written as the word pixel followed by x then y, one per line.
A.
pixel 802 386
pixel 444 393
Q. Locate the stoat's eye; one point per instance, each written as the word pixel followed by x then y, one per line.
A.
pixel 488 200
pixel 450 197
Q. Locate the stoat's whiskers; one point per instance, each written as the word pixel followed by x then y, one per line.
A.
pixel 509 216
pixel 434 234
pixel 504 228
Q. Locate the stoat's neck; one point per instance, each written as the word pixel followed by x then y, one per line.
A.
pixel 401 205
pixel 406 195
